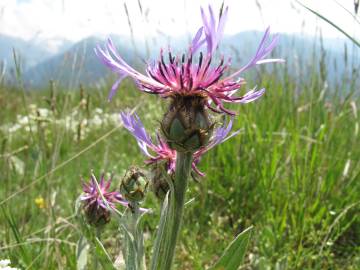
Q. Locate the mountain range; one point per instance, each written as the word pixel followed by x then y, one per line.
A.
pixel 74 63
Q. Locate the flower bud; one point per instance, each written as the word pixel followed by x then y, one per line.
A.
pixel 186 125
pixel 96 216
pixel 134 185
pixel 159 183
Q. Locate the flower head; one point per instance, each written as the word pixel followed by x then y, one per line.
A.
pixel 186 125
pixel 193 74
pixel 94 196
pixel 161 151
pixel 96 209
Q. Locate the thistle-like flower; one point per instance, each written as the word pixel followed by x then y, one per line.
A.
pixel 192 74
pixel 162 153
pixel 186 125
pixel 96 210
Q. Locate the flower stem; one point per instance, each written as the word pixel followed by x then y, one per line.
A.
pixel 95 258
pixel 138 237
pixel 183 167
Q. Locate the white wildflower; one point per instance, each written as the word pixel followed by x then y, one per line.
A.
pixel 5 265
pixel 30 128
pixel 23 120
pixel 113 118
pixel 96 121
pixel 43 112
pixel 98 111
pixel 4 262
pixel 14 128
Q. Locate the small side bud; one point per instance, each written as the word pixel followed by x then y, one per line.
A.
pixel 159 183
pixel 186 125
pixel 134 185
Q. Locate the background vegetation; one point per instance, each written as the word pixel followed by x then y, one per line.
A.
pixel 293 173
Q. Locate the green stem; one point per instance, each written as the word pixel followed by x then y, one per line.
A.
pixel 183 167
pixel 138 237
pixel 95 257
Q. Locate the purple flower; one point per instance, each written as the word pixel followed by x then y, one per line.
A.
pixel 95 194
pixel 162 152
pixel 193 76
pixel 219 136
pixel 93 198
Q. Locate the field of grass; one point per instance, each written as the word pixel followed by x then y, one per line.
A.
pixel 293 173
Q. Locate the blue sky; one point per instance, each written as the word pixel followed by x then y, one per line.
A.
pixel 76 19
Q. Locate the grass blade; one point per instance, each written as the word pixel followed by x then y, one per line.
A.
pixel 357 43
pixel 234 254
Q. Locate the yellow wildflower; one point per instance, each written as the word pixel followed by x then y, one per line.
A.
pixel 40 202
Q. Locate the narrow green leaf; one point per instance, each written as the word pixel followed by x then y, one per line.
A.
pixel 102 255
pixel 234 254
pixel 129 249
pixel 162 241
pixel 23 248
pixel 82 250
pixel 160 234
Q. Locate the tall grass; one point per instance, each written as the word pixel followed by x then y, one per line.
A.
pixel 293 173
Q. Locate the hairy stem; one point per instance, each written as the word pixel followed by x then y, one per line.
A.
pixel 183 167
pixel 171 215
pixel 138 235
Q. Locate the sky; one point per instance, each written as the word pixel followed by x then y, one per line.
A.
pixel 76 19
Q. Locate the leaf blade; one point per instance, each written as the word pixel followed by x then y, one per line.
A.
pixel 82 250
pixel 234 254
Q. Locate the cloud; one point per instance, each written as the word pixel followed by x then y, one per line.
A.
pixel 74 20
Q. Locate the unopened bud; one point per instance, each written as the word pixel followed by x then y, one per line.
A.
pixel 186 125
pixel 96 216
pixel 159 182
pixel 134 185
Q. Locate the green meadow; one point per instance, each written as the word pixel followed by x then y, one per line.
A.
pixel 293 173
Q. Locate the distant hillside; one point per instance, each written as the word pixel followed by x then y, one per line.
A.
pixel 77 64
pixel 333 58
pixel 30 52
